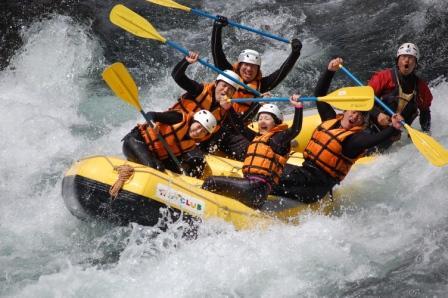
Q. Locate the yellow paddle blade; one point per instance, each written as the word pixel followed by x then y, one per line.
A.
pixel 433 151
pixel 130 21
pixel 170 3
pixel 351 98
pixel 120 81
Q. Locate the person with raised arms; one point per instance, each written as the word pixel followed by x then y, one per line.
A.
pixel 334 147
pixel 181 131
pixel 403 91
pixel 265 158
pixel 209 96
pixel 248 67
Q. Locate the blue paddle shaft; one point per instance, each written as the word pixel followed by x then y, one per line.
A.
pixel 241 26
pixel 272 99
pixel 377 100
pixel 205 63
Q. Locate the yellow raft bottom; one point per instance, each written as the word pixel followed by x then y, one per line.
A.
pixel 86 192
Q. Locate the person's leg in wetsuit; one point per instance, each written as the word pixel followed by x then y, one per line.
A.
pixel 306 184
pixel 192 163
pixel 249 192
pixel 234 146
pixel 230 142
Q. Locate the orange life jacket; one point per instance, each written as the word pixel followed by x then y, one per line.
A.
pixel 325 148
pixel 262 160
pixel 242 107
pixel 174 136
pixel 203 101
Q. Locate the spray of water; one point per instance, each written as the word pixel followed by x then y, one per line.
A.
pixel 389 234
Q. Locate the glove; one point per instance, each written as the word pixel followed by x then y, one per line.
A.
pixel 296 45
pixel 221 21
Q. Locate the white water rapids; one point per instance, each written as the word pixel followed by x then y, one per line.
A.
pixel 389 239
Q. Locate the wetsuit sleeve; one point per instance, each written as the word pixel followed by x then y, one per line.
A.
pixel 425 120
pixel 281 142
pixel 296 126
pixel 270 82
pixel 192 87
pixel 326 112
pixel 424 103
pixel 357 143
pixel 219 58
pixel 169 117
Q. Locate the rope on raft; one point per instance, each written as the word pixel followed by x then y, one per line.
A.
pixel 125 172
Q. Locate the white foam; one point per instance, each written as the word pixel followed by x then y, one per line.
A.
pixel 47 252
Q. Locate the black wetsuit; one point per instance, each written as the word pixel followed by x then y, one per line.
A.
pixel 230 140
pixel 136 150
pixel 218 140
pixel 254 189
pixel 192 87
pixel 309 183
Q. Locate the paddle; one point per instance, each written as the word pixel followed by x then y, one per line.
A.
pixel 121 82
pixel 130 21
pixel 348 98
pixel 172 4
pixel 433 151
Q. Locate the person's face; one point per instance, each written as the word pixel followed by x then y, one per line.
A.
pixel 265 122
pixel 248 71
pixel 352 119
pixel 406 64
pixel 197 131
pixel 223 91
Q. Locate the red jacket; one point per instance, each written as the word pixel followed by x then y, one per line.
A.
pixel 385 86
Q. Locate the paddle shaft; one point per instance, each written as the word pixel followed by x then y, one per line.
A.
pixel 214 68
pixel 377 100
pixel 241 26
pixel 149 120
pixel 272 99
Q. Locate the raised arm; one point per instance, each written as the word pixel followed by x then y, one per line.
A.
pixel 326 112
pixel 270 82
pixel 192 87
pixel 219 58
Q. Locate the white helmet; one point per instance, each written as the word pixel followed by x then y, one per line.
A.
pixel 408 49
pixel 250 56
pixel 271 109
pixel 230 73
pixel 206 119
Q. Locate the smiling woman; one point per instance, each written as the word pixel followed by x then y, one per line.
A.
pixel 265 158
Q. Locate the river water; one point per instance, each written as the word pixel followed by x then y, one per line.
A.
pixel 389 238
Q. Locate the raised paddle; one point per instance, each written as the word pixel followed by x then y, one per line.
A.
pixel 348 98
pixel 130 21
pixel 121 82
pixel 172 4
pixel 433 151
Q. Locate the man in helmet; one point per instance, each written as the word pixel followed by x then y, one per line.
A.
pixel 248 67
pixel 180 130
pixel 209 96
pixel 334 147
pixel 403 91
pixel 265 157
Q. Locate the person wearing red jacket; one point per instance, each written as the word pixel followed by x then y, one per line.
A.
pixel 403 91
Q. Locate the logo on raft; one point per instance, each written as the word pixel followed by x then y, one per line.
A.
pixel 180 200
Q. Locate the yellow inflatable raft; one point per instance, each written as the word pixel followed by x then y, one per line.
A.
pixel 85 189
